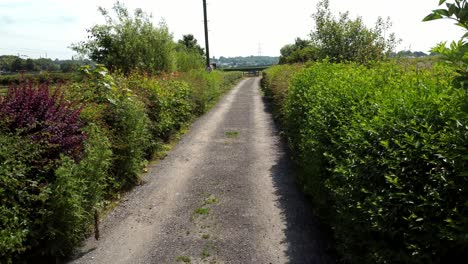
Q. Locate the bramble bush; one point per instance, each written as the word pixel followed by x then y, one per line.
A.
pixel 383 152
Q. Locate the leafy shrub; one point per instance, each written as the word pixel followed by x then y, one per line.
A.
pixel 172 101
pixel 168 106
pixel 167 102
pixel 45 117
pixel 299 52
pixel 207 87
pixel 51 174
pixel 18 193
pixel 230 78
pixel 384 156
pixel 189 60
pixel 121 112
pixel 455 56
pixel 76 193
pixel 129 139
pixel 275 83
pixel 46 219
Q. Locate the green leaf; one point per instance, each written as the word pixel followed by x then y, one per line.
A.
pixel 441 2
pixel 462 25
pixel 384 143
pixel 452 9
pixel 432 16
pixel 441 12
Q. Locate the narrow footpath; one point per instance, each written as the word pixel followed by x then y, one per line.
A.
pixel 225 194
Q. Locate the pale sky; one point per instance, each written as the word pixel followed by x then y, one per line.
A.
pixel 39 28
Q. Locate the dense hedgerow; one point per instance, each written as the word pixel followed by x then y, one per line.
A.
pixel 115 107
pixel 275 83
pixel 207 87
pixel 167 102
pixel 50 174
pixel 61 161
pixel 383 150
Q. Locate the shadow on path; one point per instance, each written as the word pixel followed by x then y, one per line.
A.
pixel 307 243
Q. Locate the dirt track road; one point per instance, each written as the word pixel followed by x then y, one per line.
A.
pixel 224 194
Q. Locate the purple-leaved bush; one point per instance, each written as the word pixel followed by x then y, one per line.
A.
pixel 46 117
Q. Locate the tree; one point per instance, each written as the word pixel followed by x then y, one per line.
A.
pixel 129 43
pixel 189 54
pixel 300 51
pixel 47 65
pixel 30 65
pixel 17 65
pixel 190 43
pixel 341 40
pixel 345 39
pixel 69 66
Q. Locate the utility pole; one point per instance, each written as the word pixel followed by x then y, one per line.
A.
pixel 206 35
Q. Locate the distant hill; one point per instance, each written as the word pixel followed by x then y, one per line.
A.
pixel 250 61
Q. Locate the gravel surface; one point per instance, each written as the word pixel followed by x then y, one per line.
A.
pixel 225 194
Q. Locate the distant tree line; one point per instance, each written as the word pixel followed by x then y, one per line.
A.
pixel 233 62
pixel 15 64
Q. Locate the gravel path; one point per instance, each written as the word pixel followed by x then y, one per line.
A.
pixel 224 194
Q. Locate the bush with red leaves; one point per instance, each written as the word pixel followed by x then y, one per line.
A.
pixel 45 117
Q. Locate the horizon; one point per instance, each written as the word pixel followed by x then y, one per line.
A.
pixel 47 28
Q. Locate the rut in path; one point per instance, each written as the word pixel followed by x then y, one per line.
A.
pixel 225 194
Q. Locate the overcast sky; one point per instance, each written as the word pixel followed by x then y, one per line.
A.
pixel 39 28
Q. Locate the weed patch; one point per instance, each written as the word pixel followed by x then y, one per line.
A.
pixel 184 259
pixel 232 134
pixel 202 211
pixel 210 200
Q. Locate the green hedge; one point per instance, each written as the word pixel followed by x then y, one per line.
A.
pixel 275 83
pixel 207 87
pixel 383 151
pixel 125 120
pixel 48 218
